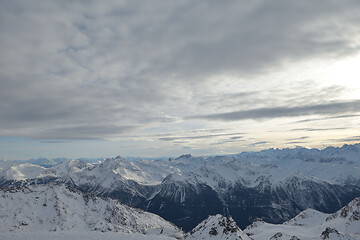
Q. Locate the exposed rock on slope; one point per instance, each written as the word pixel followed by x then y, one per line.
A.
pixel 217 227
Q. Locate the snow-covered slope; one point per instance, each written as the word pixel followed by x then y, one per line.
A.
pixel 217 227
pixel 61 208
pixel 79 235
pixel 10 170
pixel 311 224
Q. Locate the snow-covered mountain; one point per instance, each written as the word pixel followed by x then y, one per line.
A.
pixel 217 227
pixel 50 207
pixel 11 170
pixel 272 184
pixel 311 224
pixel 335 164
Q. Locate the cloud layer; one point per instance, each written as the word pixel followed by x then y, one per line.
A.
pixel 112 69
pixel 333 108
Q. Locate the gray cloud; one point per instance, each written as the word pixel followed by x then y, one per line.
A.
pixel 328 118
pixel 86 132
pixel 226 141
pixel 310 94
pixel 317 129
pixel 278 112
pixel 352 139
pixel 299 138
pixel 55 141
pixel 295 142
pixel 259 143
pixel 199 136
pixel 269 31
pixel 87 69
pixel 237 137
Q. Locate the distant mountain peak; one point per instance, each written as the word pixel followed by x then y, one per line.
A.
pixel 351 211
pixel 184 156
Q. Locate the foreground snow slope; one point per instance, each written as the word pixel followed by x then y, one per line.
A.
pixel 10 170
pixel 79 235
pixel 61 208
pixel 311 224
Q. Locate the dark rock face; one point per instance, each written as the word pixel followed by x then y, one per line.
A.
pixel 276 205
pixel 350 211
pixel 184 206
pixel 217 225
pixel 326 234
pixel 213 231
pixel 228 224
pixel 276 236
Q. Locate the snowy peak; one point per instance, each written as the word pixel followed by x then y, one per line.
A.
pixel 69 166
pixel 347 219
pixel 333 234
pixel 350 212
pixel 19 171
pixel 113 162
pixel 217 227
pixel 184 156
pixel 44 162
pixel 176 178
pixel 306 217
pixel 281 236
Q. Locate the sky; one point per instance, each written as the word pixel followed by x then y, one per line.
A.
pixel 163 78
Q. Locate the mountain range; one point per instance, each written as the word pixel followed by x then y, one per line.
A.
pixel 274 185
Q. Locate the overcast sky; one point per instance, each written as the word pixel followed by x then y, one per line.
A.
pixel 161 78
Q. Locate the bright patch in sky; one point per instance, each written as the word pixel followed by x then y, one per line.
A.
pixel 346 72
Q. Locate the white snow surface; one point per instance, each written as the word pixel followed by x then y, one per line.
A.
pixel 11 170
pixel 79 235
pixel 53 208
pixel 311 224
